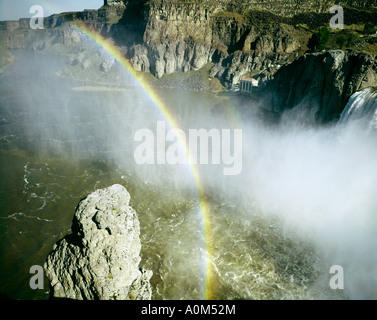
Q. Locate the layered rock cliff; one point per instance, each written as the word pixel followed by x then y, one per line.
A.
pixel 165 37
pixel 184 37
pixel 322 83
pixel 227 38
pixel 236 36
pixel 100 258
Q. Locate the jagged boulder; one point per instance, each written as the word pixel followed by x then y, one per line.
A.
pixel 100 258
pixel 107 64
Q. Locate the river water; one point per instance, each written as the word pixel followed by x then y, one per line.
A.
pixel 61 140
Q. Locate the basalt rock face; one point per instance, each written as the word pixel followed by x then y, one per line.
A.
pixel 185 36
pixel 100 258
pixel 165 37
pixel 322 82
pixel 177 37
pixel 260 49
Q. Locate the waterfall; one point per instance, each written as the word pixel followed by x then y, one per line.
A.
pixel 362 106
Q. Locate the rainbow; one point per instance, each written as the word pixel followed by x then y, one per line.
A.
pixel 114 51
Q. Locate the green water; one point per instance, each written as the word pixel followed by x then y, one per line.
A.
pixel 254 258
pixel 47 167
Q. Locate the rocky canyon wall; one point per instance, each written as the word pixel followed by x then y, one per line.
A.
pixel 322 83
pixel 230 38
pixel 164 37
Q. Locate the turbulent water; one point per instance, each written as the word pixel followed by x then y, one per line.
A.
pixel 303 202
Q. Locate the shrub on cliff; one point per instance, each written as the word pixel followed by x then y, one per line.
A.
pixel 352 39
pixel 370 28
pixel 319 39
pixel 341 41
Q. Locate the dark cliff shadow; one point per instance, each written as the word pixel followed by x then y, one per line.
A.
pixel 239 45
pixel 129 30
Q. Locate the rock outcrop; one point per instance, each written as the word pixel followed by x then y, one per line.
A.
pixel 185 36
pixel 322 82
pixel 233 38
pixel 100 258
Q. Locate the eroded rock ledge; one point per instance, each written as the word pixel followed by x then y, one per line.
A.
pixel 100 258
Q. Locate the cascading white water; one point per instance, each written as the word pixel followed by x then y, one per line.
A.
pixel 362 106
